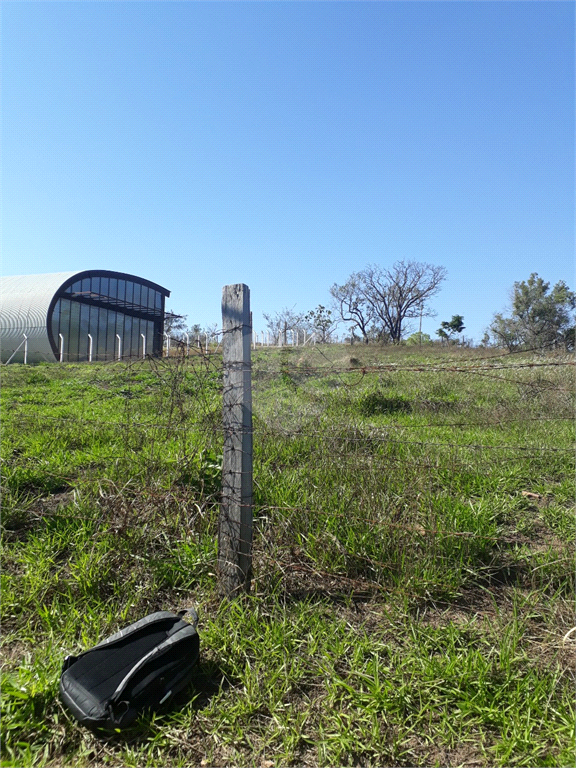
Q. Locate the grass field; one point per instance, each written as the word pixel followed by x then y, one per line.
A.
pixel 413 556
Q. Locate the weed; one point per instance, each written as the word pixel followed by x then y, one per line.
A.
pixel 413 557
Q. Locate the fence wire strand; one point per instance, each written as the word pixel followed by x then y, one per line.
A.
pixel 167 413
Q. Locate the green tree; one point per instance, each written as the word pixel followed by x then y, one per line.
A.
pixel 449 328
pixel 539 317
pixel 419 338
pixel 321 322
pixel 174 325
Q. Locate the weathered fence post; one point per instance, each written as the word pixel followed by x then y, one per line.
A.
pixel 235 523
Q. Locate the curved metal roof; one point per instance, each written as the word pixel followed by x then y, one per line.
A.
pixel 24 304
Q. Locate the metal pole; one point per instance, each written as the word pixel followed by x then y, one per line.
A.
pixel 25 349
pixel 119 347
pixel 61 350
pixel 420 328
pixel 187 343
pixel 89 348
pixel 143 345
pixel 16 350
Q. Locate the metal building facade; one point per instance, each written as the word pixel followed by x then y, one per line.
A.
pixel 78 316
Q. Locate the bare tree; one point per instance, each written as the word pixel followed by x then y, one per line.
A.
pixel 400 293
pixel 352 306
pixel 281 322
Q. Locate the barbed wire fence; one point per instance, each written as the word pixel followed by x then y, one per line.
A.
pixel 298 499
pixel 359 449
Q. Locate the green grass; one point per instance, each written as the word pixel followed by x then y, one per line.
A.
pixel 413 557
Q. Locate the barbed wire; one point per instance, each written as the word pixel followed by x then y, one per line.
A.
pixel 362 372
pixel 297 432
pixel 418 368
pixel 371 435
pixel 416 528
pixel 201 367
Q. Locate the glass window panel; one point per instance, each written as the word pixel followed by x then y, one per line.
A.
pixel 95 286
pixel 64 327
pixel 136 338
pixel 149 337
pixel 64 316
pixel 127 337
pixel 102 320
pixel 122 289
pixel 129 291
pixel 143 295
pixel 104 286
pixel 120 332
pixel 74 332
pixel 85 285
pixel 158 337
pixel 136 324
pixel 55 320
pixel 111 336
pixel 158 300
pixel 93 330
pixel 137 298
pixel 113 288
pixel 84 330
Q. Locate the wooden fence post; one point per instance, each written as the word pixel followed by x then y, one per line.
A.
pixel 235 523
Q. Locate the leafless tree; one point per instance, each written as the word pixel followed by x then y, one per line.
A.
pixel 400 293
pixel 281 322
pixel 351 304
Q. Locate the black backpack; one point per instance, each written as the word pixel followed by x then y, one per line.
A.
pixel 141 667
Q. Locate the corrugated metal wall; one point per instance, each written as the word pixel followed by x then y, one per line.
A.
pixel 24 303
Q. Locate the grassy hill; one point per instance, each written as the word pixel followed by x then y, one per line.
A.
pixel 413 556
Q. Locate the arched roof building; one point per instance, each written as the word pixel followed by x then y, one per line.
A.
pixel 94 314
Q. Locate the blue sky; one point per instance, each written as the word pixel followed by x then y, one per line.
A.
pixel 286 145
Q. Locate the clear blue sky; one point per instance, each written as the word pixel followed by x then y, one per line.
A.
pixel 288 144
